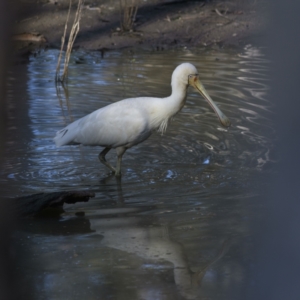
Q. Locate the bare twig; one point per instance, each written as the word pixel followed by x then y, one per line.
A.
pixel 72 37
pixel 63 38
pixel 220 14
pixel 128 11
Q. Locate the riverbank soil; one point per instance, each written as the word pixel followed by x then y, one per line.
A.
pixel 158 24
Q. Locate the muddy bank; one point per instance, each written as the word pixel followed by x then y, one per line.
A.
pixel 158 24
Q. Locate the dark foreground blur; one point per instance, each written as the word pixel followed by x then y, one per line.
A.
pixel 7 282
pixel 277 275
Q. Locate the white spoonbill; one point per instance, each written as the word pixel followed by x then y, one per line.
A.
pixel 126 123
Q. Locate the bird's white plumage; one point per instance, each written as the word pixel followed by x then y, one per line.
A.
pixel 126 123
pixel 123 123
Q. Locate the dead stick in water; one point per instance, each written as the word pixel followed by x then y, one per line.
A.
pixel 72 37
pixel 63 38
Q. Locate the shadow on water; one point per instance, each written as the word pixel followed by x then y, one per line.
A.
pixel 178 223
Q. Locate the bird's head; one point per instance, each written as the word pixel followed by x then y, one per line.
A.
pixel 188 74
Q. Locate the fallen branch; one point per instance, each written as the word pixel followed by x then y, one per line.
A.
pixel 34 204
pixel 29 37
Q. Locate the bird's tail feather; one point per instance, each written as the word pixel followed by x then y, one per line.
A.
pixel 66 135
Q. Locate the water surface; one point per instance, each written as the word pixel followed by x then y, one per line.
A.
pixel 178 224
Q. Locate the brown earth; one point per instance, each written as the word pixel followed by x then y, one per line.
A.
pixel 159 24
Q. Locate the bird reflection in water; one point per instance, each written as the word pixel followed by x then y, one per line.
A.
pixel 126 230
pixel 152 243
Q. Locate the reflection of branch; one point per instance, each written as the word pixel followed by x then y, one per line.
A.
pixel 58 87
pixel 198 276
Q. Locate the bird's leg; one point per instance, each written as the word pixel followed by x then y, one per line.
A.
pixel 104 161
pixel 120 152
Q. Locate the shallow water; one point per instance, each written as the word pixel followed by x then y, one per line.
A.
pixel 178 224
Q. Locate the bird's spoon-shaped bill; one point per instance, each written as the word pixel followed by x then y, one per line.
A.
pixel 195 82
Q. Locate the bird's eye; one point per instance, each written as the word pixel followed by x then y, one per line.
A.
pixel 190 76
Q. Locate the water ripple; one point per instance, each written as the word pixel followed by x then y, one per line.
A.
pixel 194 141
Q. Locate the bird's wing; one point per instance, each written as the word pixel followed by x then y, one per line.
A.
pixel 122 123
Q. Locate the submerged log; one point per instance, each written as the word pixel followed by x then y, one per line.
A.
pixel 34 204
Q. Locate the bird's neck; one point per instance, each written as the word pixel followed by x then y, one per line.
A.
pixel 177 99
pixel 170 106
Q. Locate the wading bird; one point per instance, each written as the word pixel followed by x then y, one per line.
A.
pixel 129 122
